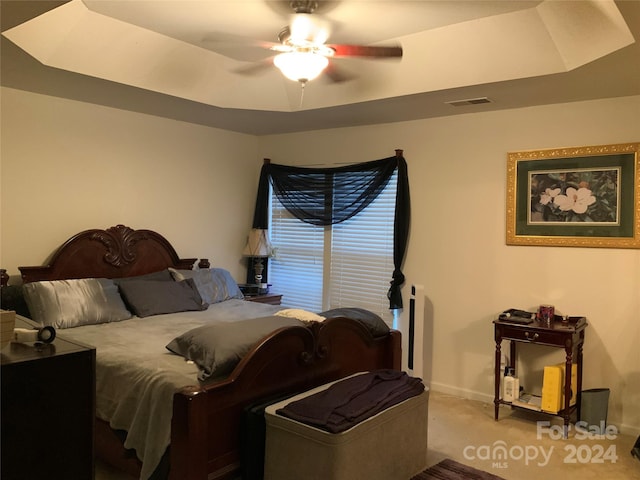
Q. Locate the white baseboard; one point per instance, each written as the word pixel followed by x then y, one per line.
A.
pixel 461 392
pixel 630 430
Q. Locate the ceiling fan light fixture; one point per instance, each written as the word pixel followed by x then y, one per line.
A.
pixel 301 66
pixel 307 29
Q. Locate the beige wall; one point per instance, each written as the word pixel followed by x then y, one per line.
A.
pixel 457 171
pixel 69 166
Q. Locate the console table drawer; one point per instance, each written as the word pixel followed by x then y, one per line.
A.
pixel 533 336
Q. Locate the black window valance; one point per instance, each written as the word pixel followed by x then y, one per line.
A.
pixel 325 196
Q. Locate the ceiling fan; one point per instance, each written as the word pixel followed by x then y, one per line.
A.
pixel 302 53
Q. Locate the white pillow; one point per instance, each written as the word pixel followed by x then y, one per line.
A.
pixel 303 315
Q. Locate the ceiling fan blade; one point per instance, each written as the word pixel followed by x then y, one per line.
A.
pixel 336 74
pixel 366 51
pixel 256 68
pixel 237 47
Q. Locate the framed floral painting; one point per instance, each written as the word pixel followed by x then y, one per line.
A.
pixel 579 197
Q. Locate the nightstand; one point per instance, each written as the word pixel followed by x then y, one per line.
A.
pixel 48 409
pixel 270 298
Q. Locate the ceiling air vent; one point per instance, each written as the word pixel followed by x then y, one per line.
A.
pixel 470 101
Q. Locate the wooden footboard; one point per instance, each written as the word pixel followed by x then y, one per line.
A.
pixel 205 441
pixel 206 423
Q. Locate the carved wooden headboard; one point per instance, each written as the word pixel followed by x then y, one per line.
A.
pixel 112 253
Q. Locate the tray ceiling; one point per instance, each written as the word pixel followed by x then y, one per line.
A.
pixel 191 56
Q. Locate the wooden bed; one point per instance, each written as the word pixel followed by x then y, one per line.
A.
pixel 205 427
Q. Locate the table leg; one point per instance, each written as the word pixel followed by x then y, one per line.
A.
pixel 567 387
pixel 512 356
pixel 579 386
pixel 496 398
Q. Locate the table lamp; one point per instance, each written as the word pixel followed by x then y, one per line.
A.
pixel 258 247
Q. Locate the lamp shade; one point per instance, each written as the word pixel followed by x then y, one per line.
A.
pixel 258 244
pixel 301 66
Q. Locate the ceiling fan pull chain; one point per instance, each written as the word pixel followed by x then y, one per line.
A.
pixel 302 84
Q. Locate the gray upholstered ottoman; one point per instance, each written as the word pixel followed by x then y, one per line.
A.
pixel 390 445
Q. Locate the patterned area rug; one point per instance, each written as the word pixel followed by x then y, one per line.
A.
pixel 451 470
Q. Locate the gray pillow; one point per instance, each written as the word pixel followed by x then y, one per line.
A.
pixel 214 284
pixel 217 348
pixel 373 322
pixel 72 303
pixel 146 298
pixel 159 276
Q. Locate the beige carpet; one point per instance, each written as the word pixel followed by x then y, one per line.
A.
pixel 465 431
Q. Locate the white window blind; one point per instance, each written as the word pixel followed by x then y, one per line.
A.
pixel 346 265
pixel 362 257
pixel 297 269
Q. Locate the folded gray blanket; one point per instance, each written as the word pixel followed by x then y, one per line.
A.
pixel 353 400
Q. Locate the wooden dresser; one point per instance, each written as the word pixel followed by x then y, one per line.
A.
pixel 48 410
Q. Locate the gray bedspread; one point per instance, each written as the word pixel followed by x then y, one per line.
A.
pixel 136 376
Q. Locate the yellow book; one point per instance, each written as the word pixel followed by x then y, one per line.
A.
pixel 553 387
pixel 552 384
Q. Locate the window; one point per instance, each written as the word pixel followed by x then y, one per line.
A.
pixel 348 264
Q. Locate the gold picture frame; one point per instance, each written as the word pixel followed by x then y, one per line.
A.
pixel 574 197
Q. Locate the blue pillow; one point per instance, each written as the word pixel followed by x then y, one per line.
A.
pixel 214 284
